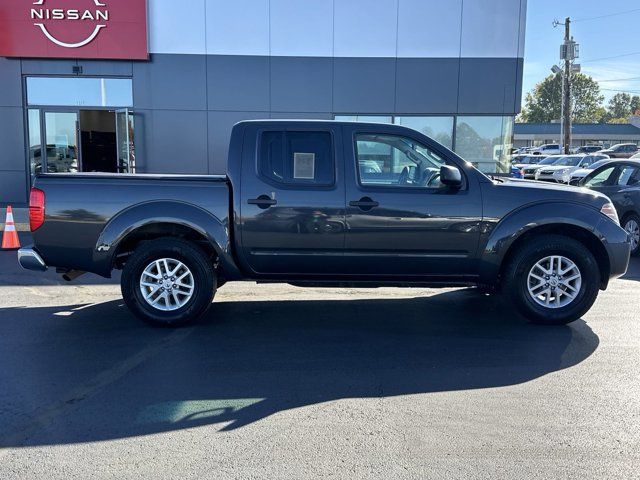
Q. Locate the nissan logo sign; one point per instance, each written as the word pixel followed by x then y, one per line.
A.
pixel 101 29
pixel 42 16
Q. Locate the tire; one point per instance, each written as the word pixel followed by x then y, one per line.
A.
pixel 171 310
pixel 517 280
pixel 632 225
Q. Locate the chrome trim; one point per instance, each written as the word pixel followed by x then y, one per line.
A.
pixel 29 259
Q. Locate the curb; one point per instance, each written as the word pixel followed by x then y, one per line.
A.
pixel 20 227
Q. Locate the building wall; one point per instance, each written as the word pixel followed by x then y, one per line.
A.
pixel 216 62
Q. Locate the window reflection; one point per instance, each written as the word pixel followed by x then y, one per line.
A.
pixel 365 118
pixel 485 142
pixel 438 128
pixel 62 141
pixel 96 92
pixel 35 149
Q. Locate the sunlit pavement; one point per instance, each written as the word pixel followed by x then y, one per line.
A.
pixel 283 382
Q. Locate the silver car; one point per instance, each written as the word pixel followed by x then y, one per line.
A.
pixel 563 168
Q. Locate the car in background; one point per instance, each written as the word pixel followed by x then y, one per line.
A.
pixel 588 149
pixel 560 171
pixel 547 149
pixel 621 150
pixel 516 172
pixel 620 181
pixel 636 157
pixel 529 171
pixel 578 175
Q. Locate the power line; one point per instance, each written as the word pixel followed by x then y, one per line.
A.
pixel 621 91
pixel 606 16
pixel 618 79
pixel 610 58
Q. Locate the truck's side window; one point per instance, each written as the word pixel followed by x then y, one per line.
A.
pixel 297 157
pixel 394 161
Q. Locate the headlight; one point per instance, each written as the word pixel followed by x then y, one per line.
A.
pixel 537 175
pixel 610 211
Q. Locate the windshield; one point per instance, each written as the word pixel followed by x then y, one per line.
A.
pixel 597 164
pixel 548 161
pixel 568 161
pixel 529 160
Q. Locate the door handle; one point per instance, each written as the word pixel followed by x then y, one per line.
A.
pixel 263 201
pixel 365 203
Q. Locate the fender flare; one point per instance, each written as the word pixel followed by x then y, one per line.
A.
pixel 127 221
pixel 528 218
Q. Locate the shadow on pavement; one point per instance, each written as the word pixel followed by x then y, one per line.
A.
pixel 95 373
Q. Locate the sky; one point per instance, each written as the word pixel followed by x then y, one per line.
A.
pixel 616 33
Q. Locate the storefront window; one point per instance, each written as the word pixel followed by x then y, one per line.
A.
pixel 94 92
pixel 485 142
pixel 365 118
pixel 35 148
pixel 438 128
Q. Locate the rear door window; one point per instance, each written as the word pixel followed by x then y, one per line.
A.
pixel 297 157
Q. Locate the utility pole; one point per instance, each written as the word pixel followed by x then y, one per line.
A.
pixel 568 53
pixel 566 90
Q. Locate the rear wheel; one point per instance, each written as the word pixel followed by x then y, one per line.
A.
pixel 552 280
pixel 632 226
pixel 168 282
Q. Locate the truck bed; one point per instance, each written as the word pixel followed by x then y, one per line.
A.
pixel 80 207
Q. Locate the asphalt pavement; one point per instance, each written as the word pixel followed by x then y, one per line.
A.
pixel 284 382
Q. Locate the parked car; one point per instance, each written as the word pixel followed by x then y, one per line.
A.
pixel 547 149
pixel 516 172
pixel 578 175
pixel 620 181
pixel 636 156
pixel 588 149
pixel 563 168
pixel 529 171
pixel 294 208
pixel 621 150
pixel 525 160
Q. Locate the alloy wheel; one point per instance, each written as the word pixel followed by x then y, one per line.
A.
pixel 167 284
pixel 554 281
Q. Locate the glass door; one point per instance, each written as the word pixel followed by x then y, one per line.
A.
pixel 124 141
pixel 61 141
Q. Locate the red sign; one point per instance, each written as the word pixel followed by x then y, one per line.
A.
pixel 115 29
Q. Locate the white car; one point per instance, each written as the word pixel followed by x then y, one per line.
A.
pixel 547 149
pixel 579 174
pixel 563 168
pixel 529 171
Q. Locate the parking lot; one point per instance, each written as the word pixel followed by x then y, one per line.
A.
pixel 284 382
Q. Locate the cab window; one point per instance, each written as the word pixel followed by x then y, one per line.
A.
pixel 297 158
pixel 396 161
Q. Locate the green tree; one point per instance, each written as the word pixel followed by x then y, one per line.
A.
pixel 544 103
pixel 635 105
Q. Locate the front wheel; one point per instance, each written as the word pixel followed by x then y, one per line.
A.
pixel 168 282
pixel 552 280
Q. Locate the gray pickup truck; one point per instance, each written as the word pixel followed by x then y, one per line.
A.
pixel 328 204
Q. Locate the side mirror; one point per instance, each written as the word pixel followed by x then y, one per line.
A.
pixel 450 176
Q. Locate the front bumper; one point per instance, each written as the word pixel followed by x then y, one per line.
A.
pixel 29 259
pixel 616 242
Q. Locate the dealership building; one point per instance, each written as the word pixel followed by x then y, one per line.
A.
pixel 156 86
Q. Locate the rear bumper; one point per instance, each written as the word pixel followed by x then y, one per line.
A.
pixel 29 259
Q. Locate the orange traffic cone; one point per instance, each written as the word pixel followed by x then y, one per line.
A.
pixel 10 238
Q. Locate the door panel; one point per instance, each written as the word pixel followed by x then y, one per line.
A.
pixel 414 225
pixel 61 141
pixel 124 141
pixel 292 201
